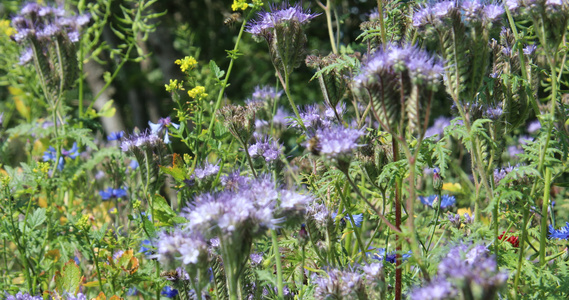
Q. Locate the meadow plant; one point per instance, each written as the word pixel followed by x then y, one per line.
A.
pixel 420 153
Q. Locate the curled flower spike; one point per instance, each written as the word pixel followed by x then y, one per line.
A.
pixel 268 20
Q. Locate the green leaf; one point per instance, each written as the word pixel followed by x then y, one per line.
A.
pixel 37 218
pixel 69 279
pixel 216 70
pixel 162 210
pixel 107 110
pixel 82 135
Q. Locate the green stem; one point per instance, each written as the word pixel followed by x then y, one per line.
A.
pixel 96 261
pixel 278 263
pixel 290 100
pixel 115 73
pixel 356 231
pixel 436 221
pixel 521 251
pixel 545 206
pixel 381 22
pixel 227 73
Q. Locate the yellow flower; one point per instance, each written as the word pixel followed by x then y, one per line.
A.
pixel 187 63
pixel 6 29
pixel 239 5
pixel 174 85
pixel 198 92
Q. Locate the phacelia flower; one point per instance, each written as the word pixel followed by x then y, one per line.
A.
pixel 460 271
pixel 338 284
pixel 207 170
pixel 433 201
pixel 561 233
pixel 281 28
pixel 266 148
pixel 534 126
pixel 265 94
pixel 111 193
pixel 139 141
pixel 267 21
pixel 181 244
pixel 162 128
pixel 22 296
pixel 436 131
pixel 336 141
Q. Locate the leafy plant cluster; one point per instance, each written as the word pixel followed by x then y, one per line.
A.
pixel 432 164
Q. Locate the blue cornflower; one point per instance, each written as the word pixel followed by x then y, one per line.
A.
pixel 358 219
pixel 115 136
pixel 51 154
pixel 391 256
pixel 561 234
pixel 146 247
pixel 169 292
pixel 112 193
pixel 162 127
pixel 432 201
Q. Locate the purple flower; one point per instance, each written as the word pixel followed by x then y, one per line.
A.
pixel 311 118
pixel 26 56
pixel 561 233
pixel 529 49
pixel 433 200
pixel 265 94
pixel 204 171
pixel 337 141
pixel 21 296
pixel 338 284
pixel 256 259
pixel 140 140
pixel 514 151
pixel 436 290
pixel 111 193
pixel 493 113
pixel 492 12
pixel 534 126
pixel 280 117
pixel 181 244
pixel 438 127
pixel 162 128
pixel 266 21
pixel 267 148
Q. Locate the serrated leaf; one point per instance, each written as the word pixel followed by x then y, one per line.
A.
pixel 37 218
pixel 216 70
pixel 69 279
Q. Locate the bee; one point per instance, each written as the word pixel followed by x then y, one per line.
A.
pixel 232 19
pixel 313 145
pixel 170 275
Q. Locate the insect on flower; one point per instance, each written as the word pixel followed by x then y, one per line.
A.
pixel 313 145
pixel 232 19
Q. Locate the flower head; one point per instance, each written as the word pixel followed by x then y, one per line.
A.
pixel 337 141
pixel 111 193
pixel 161 127
pixel 561 233
pixel 115 136
pixel 204 171
pixel 433 201
pixel 267 148
pixel 187 63
pixel 268 20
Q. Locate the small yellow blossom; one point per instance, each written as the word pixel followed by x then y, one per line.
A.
pixel 187 63
pixel 258 3
pixel 239 5
pixel 198 92
pixel 6 29
pixel 42 168
pixel 174 85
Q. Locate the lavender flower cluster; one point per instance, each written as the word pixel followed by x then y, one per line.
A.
pixel 472 271
pixel 439 14
pixel 268 20
pixel 247 206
